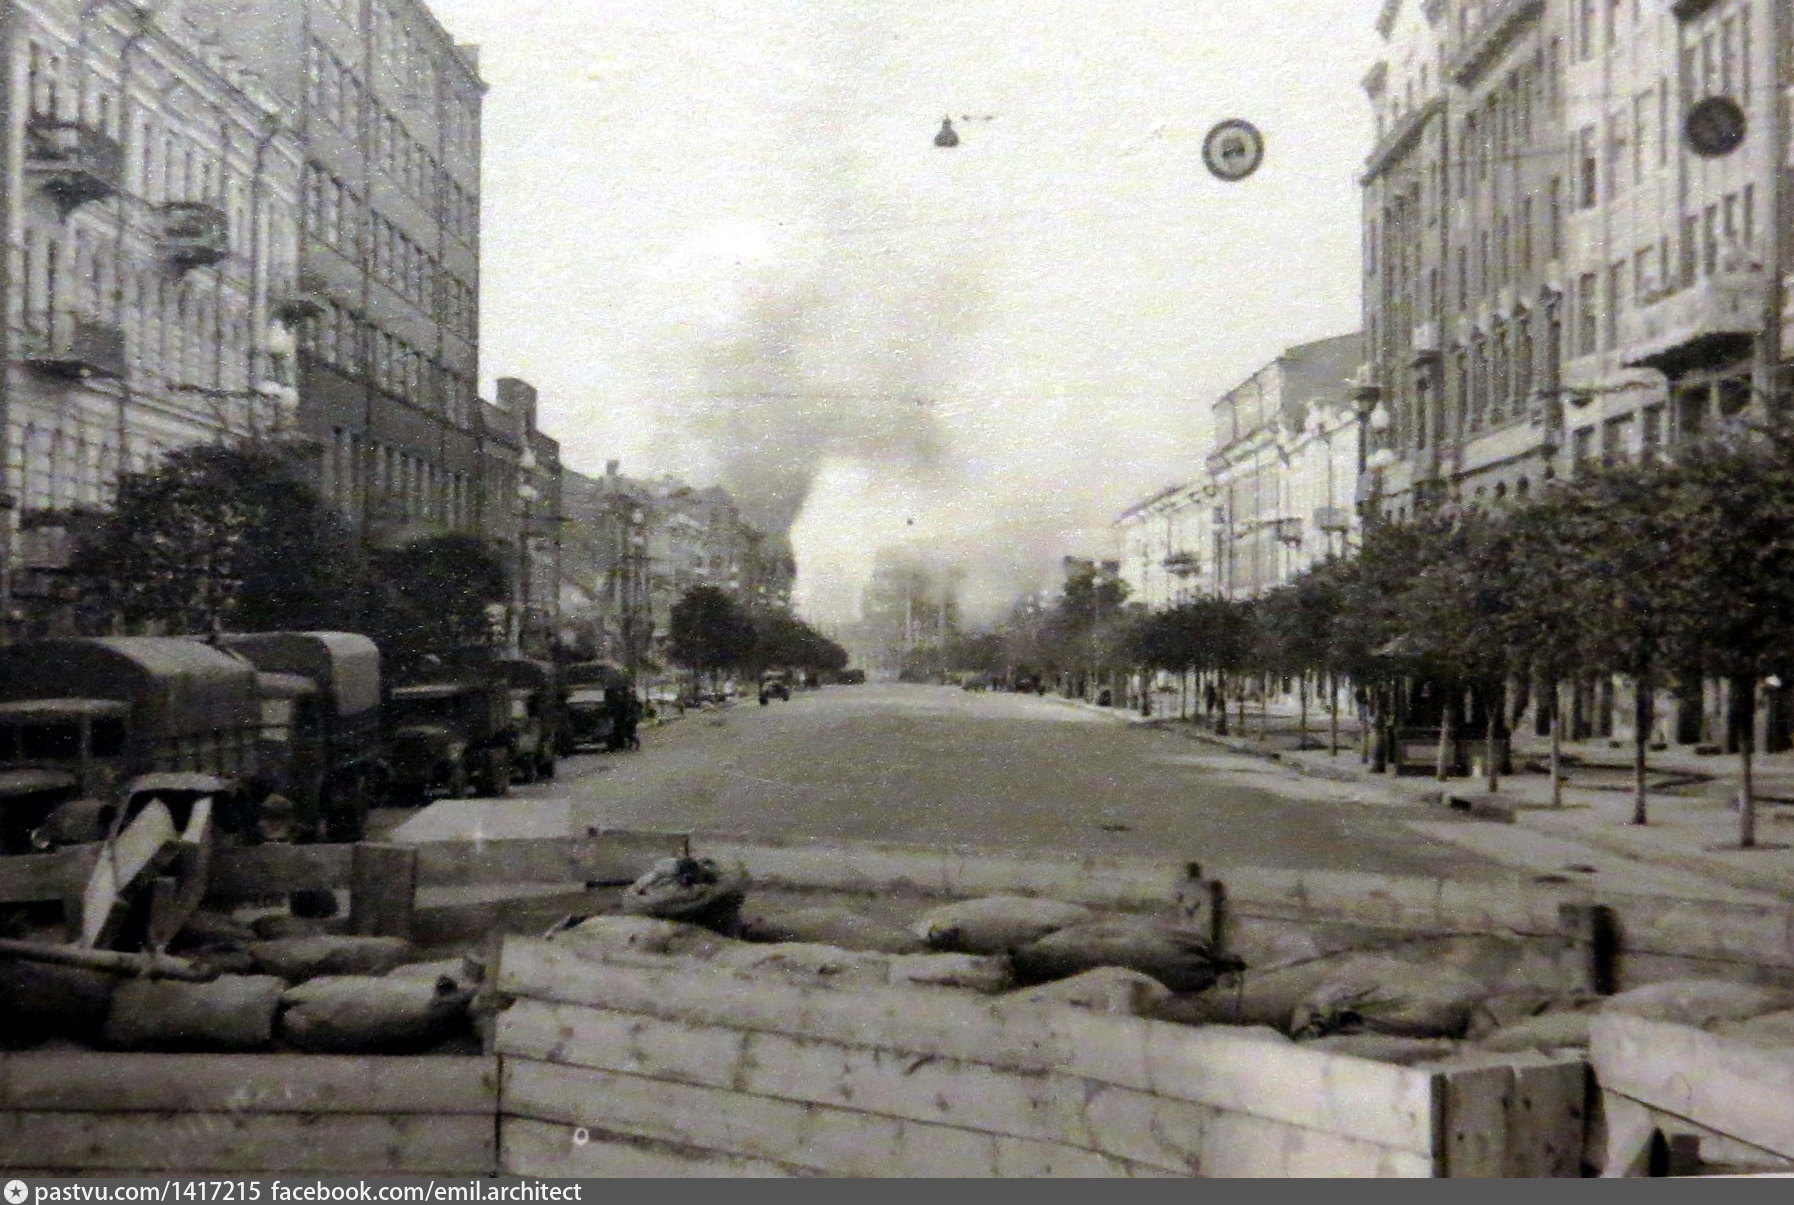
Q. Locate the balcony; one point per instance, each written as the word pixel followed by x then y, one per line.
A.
pixel 1332 518
pixel 1182 564
pixel 77 348
pixel 1424 341
pixel 1498 28
pixel 1713 322
pixel 1401 138
pixel 307 299
pixel 72 162
pixel 195 234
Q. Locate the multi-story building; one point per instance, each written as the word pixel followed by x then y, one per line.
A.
pixel 1165 540
pixel 606 563
pixel 149 199
pixel 1284 467
pixel 388 111
pixel 1557 269
pixel 516 505
pixel 909 610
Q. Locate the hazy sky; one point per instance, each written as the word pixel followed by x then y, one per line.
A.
pixel 720 240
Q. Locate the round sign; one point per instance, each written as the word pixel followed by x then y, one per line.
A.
pixel 1233 149
pixel 1714 127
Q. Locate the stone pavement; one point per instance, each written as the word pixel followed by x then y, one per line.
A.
pixel 1689 848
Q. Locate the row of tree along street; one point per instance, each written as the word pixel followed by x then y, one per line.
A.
pixel 1669 575
pixel 232 538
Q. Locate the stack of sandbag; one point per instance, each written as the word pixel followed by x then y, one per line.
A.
pixel 995 924
pixel 693 890
pixel 809 962
pixel 1534 1019
pixel 609 936
pixel 296 959
pixel 1177 957
pixel 1769 1029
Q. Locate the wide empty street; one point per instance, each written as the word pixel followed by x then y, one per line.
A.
pixel 934 765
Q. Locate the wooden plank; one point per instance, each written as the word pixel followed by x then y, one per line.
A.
pixel 1733 1088
pixel 248 1083
pixel 603 856
pixel 1547 1127
pixel 382 890
pixel 1473 1132
pixel 1374 1102
pixel 258 871
pixel 836 1140
pixel 1262 1075
pixel 46 878
pixel 553 1151
pixel 631 1043
pixel 1239 1145
pixel 239 1142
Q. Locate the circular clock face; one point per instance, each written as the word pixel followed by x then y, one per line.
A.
pixel 1233 150
pixel 1714 127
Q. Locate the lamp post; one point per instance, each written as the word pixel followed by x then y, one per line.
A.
pixel 527 495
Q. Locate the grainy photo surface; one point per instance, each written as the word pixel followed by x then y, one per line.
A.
pixel 994 589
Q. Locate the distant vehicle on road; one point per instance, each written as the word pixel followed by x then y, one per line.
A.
pixel 449 737
pixel 774 686
pixel 852 677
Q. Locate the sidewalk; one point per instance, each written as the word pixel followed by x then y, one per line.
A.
pixel 1689 847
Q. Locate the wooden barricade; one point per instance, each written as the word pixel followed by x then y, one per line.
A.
pixel 656 1066
pixel 69 1113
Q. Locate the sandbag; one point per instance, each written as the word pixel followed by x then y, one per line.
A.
pixel 232 1013
pixel 296 959
pixel 463 972
pixel 809 962
pixel 1373 993
pixel 1698 1002
pixel 695 890
pixel 1385 1048
pixel 1179 958
pixel 278 925
pixel 362 1014
pixel 1105 990
pixel 1509 1008
pixel 42 999
pixel 986 973
pixel 1769 1029
pixel 210 930
pixel 602 935
pixel 995 924
pixel 1549 1031
pixel 838 927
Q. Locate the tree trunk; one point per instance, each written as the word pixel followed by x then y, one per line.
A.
pixel 1242 707
pixel 1442 764
pixel 1557 745
pixel 1332 714
pixel 1641 740
pixel 1497 705
pixel 1302 691
pixel 1744 690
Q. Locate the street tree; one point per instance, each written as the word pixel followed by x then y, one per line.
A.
pixel 433 601
pixel 217 537
pixel 708 632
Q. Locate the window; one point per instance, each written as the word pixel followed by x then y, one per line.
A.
pixel 1747 224
pixel 1690 262
pixel 1586 307
pixel 1651 433
pixel 1582 445
pixel 1616 439
pixel 1616 297
pixel 1556 216
pixel 1641 276
pixel 1709 239
pixel 1588 188
pixel 1641 120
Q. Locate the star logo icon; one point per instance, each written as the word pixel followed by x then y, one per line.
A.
pixel 16 1192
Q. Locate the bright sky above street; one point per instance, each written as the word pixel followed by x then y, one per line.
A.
pixel 721 241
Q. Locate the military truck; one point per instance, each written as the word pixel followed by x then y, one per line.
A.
pixel 81 718
pixel 448 736
pixel 597 694
pixel 321 745
pixel 538 713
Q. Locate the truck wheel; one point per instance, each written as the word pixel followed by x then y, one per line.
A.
pixel 495 774
pixel 345 807
pixel 524 769
pixel 457 782
pixel 547 768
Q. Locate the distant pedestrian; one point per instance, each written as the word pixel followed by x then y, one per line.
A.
pixel 1210 698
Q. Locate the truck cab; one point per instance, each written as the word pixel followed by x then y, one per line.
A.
pixel 449 737
pixel 538 702
pixel 79 718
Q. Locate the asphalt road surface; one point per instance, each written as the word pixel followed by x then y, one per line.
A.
pixel 932 765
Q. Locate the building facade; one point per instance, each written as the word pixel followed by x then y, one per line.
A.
pixel 1283 471
pixel 1165 546
pixel 1555 272
pixel 150 202
pixel 387 107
